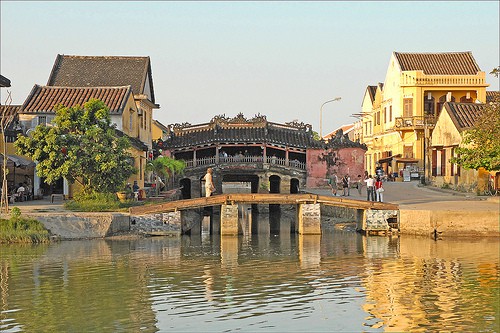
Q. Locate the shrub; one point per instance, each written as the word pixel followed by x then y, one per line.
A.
pixel 97 202
pixel 18 229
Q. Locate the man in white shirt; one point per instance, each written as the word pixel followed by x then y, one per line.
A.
pixel 370 188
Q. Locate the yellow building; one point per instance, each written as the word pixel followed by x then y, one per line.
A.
pixel 453 121
pixel 159 131
pixel 38 109
pixel 124 84
pixel 399 115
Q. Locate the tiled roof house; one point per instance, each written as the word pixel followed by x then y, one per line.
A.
pixel 123 83
pixel 405 108
pixel 453 121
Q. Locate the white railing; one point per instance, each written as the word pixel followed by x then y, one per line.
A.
pixel 273 160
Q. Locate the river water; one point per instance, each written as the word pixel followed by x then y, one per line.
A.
pixel 340 281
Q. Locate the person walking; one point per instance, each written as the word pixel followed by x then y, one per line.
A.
pixel 379 190
pixel 370 188
pixel 345 185
pixel 333 184
pixel 209 183
pixel 359 184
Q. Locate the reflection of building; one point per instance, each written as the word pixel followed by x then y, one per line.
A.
pixel 433 286
pixel 399 115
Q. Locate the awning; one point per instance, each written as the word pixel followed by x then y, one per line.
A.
pixel 388 159
pixel 17 161
pixel 406 160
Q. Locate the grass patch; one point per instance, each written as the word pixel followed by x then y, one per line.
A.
pixel 18 229
pixel 98 202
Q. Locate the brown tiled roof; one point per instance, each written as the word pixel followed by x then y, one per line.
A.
pixel 225 130
pixel 270 134
pixel 372 90
pixel 9 110
pixel 102 71
pixel 43 98
pixel 9 114
pixel 4 82
pixel 463 115
pixel 450 63
pixel 135 142
pixel 492 95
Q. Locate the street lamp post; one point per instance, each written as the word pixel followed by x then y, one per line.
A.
pixel 321 116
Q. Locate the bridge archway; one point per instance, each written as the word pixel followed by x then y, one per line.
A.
pixel 294 186
pixel 245 180
pixel 274 184
pixel 185 183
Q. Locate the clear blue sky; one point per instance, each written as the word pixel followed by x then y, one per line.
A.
pixel 279 59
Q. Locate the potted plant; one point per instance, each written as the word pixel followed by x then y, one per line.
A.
pixel 125 194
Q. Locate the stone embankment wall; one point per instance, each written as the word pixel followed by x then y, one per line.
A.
pixel 162 223
pixel 83 225
pixel 449 223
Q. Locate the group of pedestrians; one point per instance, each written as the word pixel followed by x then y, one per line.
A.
pixel 374 189
pixel 374 186
pixel 345 182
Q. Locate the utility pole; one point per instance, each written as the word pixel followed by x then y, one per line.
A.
pixel 4 123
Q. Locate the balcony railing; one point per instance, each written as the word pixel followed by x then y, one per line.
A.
pixel 420 79
pixel 273 160
pixel 416 122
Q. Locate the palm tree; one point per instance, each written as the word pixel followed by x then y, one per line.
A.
pixel 165 167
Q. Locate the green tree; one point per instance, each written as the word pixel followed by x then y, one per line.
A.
pixel 165 167
pixel 82 146
pixel 480 145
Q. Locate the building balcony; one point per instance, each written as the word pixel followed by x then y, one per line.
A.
pixel 418 78
pixel 257 162
pixel 415 122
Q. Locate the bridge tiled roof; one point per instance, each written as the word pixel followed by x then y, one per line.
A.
pixel 240 130
pixel 258 130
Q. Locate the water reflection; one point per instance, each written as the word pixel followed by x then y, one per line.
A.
pixel 339 281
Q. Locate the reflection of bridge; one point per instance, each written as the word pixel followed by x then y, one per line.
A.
pixel 370 215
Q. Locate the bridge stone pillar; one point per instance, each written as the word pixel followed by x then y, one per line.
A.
pixel 229 220
pixel 376 219
pixel 309 219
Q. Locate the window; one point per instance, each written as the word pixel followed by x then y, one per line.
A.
pixel 377 118
pixel 131 122
pixel 42 120
pixel 407 107
pixel 390 112
pixel 429 106
pixel 443 162
pixel 438 162
pixel 464 99
pixel 434 162
pixel 385 115
pixel 441 102
pixel 408 151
